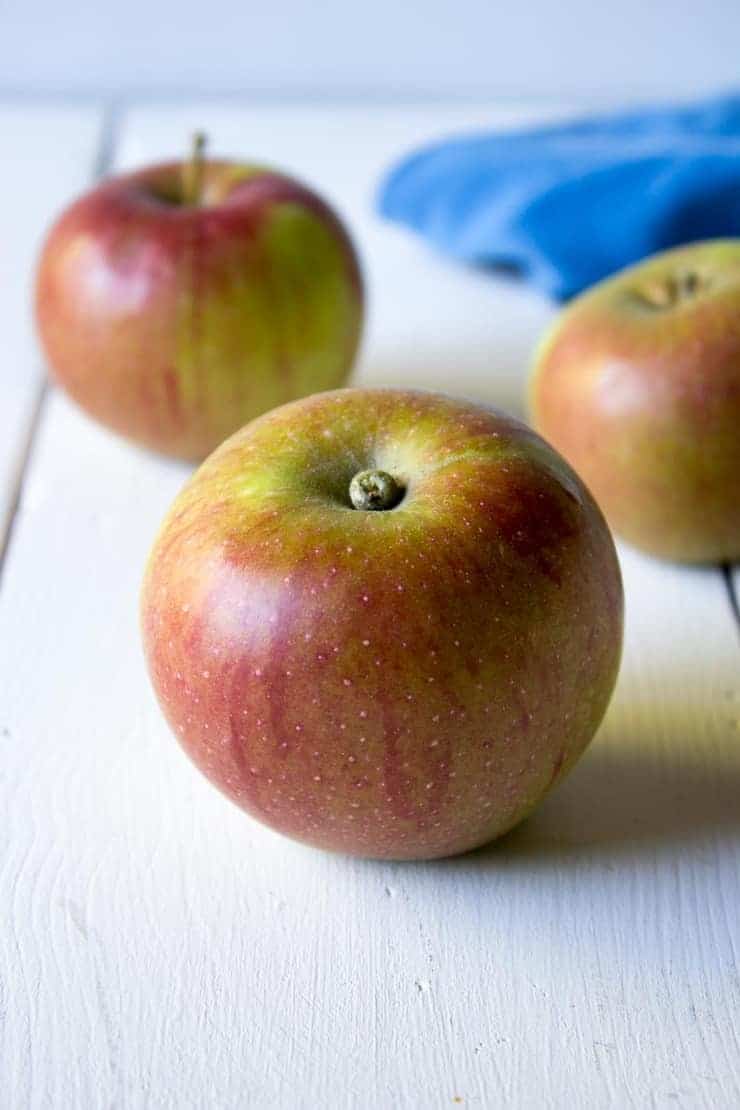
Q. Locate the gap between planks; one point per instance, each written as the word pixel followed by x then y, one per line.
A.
pixel 731 575
pixel 102 162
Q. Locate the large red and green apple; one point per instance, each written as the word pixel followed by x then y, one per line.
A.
pixel 638 385
pixel 176 303
pixel 384 622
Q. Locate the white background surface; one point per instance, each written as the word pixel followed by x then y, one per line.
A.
pixel 384 47
pixel 160 949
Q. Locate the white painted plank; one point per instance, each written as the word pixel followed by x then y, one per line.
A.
pixel 160 949
pixel 48 155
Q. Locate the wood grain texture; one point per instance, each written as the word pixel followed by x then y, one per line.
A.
pixel 159 949
pixel 48 156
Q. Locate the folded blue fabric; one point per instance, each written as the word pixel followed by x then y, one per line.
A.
pixel 567 205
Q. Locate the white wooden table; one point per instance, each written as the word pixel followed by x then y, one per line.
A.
pixel 160 949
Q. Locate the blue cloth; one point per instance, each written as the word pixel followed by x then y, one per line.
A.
pixel 567 205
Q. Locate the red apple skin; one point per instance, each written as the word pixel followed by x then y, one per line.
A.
pixel 174 323
pixel 638 385
pixel 400 684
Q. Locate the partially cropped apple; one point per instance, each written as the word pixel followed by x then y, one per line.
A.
pixel 638 384
pixel 384 622
pixel 178 302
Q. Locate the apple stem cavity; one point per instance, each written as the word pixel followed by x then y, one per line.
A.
pixel 375 490
pixel 193 169
pixel 668 292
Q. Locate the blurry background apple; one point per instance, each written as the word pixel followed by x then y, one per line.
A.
pixel 178 302
pixel 638 384
pixel 384 622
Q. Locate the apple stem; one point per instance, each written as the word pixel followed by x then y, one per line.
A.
pixel 374 490
pixel 192 185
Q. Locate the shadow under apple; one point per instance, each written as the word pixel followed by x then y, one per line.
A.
pixel 628 797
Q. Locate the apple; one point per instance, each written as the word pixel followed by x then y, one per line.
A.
pixel 384 622
pixel 180 301
pixel 638 385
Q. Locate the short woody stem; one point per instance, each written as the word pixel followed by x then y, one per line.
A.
pixel 193 169
pixel 374 490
